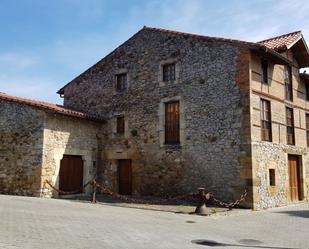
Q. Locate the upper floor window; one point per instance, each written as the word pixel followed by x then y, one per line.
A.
pixel 121 82
pixel 288 83
pixel 307 128
pixel 264 66
pixel 290 126
pixel 265 121
pixel 172 127
pixel 307 90
pixel 120 125
pixel 169 72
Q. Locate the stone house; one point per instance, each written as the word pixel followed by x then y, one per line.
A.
pixel 183 111
pixel 35 136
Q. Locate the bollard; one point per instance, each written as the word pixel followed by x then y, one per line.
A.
pixel 94 200
pixel 201 208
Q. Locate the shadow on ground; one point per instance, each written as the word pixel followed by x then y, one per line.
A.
pixel 244 243
pixel 296 213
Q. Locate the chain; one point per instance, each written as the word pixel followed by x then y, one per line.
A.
pixel 229 205
pixel 105 190
pixel 69 192
pixel 191 196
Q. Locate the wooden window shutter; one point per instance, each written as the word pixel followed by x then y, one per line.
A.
pixel 266 129
pixel 120 125
pixel 172 126
pixel 290 126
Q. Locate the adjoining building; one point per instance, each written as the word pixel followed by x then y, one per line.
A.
pixel 42 141
pixel 183 111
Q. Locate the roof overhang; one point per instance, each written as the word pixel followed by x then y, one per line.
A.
pixel 304 76
pixel 271 55
pixel 300 51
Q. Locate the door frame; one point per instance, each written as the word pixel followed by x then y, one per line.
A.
pixel 299 176
pixel 83 171
pixel 131 174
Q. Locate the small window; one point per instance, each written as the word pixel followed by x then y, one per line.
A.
pixel 307 90
pixel 290 126
pixel 307 128
pixel 120 125
pixel 264 65
pixel 288 83
pixel 169 72
pixel 272 177
pixel 172 135
pixel 121 82
pixel 266 131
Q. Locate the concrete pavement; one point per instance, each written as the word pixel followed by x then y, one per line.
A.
pixel 31 223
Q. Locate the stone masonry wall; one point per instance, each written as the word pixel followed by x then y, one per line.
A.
pixel 274 155
pixel 212 153
pixel 65 135
pixel 21 146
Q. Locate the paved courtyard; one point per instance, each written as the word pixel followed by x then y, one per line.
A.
pixel 31 223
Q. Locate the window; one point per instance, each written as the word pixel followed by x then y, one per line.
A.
pixel 120 125
pixel 169 71
pixel 307 90
pixel 172 135
pixel 290 126
pixel 288 83
pixel 266 134
pixel 264 65
pixel 121 82
pixel 307 128
pixel 272 177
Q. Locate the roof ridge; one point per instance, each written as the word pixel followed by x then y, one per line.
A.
pixel 280 36
pixel 199 35
pixel 47 106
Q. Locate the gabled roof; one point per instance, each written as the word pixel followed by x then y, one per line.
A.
pixel 258 47
pixel 294 41
pixel 54 108
pixel 282 42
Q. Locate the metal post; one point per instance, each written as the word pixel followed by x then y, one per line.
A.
pixel 201 208
pixel 94 200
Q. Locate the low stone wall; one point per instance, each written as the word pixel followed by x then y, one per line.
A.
pixel 267 156
pixel 21 146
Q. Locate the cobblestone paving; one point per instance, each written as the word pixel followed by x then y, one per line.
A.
pixel 36 223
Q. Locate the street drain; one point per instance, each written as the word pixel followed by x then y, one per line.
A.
pixel 207 243
pixel 250 242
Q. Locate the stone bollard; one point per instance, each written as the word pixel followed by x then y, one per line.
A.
pixel 201 208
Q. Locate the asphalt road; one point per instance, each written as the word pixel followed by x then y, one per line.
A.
pixel 36 223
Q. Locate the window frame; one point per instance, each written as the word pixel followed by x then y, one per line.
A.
pixel 307 90
pixel 290 126
pixel 307 128
pixel 272 177
pixel 172 130
pixel 168 74
pixel 120 125
pixel 266 123
pixel 122 85
pixel 288 82
pixel 264 71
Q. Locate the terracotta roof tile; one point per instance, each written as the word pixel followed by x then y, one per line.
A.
pixel 281 42
pixel 212 38
pixel 48 107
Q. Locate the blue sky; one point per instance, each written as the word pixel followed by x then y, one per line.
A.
pixel 44 44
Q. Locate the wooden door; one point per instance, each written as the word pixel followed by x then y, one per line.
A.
pixel 71 173
pixel 125 176
pixel 294 175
